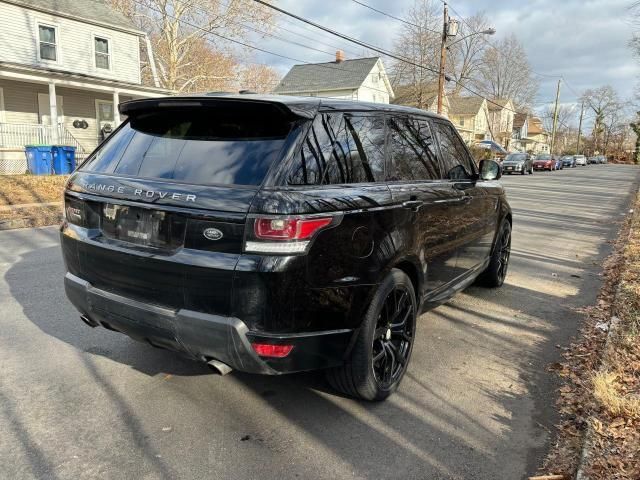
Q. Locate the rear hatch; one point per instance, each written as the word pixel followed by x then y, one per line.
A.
pixel 161 206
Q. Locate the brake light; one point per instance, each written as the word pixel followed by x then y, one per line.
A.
pixel 285 235
pixel 288 228
pixel 272 351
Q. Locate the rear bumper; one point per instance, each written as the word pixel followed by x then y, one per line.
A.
pixel 205 336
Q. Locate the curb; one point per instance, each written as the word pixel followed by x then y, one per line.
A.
pixel 28 223
pixel 613 323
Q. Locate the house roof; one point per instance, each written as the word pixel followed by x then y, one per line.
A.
pixel 498 103
pixel 408 94
pixel 92 11
pixel 319 77
pixel 535 127
pixel 519 119
pixel 465 105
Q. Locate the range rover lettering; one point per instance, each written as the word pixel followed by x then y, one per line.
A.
pixel 277 234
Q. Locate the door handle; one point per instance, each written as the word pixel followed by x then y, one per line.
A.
pixel 413 204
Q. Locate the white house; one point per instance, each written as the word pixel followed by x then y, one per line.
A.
pixel 65 65
pixel 361 79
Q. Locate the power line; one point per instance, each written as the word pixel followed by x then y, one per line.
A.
pixel 485 40
pixel 395 18
pixel 316 39
pixel 345 37
pixel 210 32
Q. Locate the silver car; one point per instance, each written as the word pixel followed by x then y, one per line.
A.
pixel 521 163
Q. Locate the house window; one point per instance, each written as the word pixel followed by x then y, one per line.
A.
pixel 462 122
pixel 47 42
pixel 102 53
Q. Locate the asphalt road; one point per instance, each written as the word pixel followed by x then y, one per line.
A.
pixel 476 402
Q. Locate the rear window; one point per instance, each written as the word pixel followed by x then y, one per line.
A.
pixel 196 145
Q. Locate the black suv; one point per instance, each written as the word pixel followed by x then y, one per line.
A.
pixel 280 234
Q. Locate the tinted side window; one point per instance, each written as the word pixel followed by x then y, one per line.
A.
pixel 339 149
pixel 457 163
pixel 412 150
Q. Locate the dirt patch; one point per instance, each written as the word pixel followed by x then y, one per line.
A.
pixel 600 395
pixel 30 217
pixel 20 189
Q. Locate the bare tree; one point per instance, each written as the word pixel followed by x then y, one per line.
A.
pixel 565 125
pixel 604 103
pixel 466 55
pixel 258 78
pixel 418 42
pixel 505 73
pixel 189 52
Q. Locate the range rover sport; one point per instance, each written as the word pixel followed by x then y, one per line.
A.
pixel 280 234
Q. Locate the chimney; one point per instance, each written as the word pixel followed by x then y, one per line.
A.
pixel 339 56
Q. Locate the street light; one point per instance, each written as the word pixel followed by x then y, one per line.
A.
pixel 488 31
pixel 450 29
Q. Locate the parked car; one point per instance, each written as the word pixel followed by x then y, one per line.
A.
pixel 568 161
pixel 593 160
pixel 580 160
pixel 544 162
pixel 278 234
pixel 603 159
pixel 518 163
pixel 558 162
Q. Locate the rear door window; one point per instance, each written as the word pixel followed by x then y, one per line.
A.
pixel 456 161
pixel 341 149
pixel 412 150
pixel 196 145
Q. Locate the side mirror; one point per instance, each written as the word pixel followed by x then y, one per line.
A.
pixel 490 170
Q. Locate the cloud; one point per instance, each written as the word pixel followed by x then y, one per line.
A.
pixel 585 41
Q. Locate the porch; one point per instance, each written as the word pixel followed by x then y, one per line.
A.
pixel 58 109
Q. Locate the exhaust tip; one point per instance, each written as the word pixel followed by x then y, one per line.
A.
pixel 219 367
pixel 88 321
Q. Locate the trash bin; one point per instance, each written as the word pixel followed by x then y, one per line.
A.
pixel 64 159
pixel 39 159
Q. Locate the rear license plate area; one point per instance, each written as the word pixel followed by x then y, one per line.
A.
pixel 142 226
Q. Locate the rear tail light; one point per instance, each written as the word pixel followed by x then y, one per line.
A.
pixel 285 235
pixel 289 228
pixel 272 351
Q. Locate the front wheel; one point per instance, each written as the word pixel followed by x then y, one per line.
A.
pixel 496 272
pixel 381 353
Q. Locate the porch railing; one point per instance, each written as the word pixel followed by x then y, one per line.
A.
pixel 16 135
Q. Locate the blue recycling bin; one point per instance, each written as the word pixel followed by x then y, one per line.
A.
pixel 64 159
pixel 39 159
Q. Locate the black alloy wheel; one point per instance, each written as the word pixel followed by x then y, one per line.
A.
pixel 381 353
pixel 496 272
pixel 393 337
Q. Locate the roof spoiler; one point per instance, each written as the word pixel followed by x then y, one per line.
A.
pixel 291 110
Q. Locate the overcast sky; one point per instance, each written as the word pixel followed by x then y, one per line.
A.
pixel 586 41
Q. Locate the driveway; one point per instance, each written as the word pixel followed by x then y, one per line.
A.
pixel 476 403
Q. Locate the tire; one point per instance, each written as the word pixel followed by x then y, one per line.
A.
pixel 496 272
pixel 362 375
pixel 523 171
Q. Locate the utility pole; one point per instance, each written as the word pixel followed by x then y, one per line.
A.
pixel 580 128
pixel 555 119
pixel 443 58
